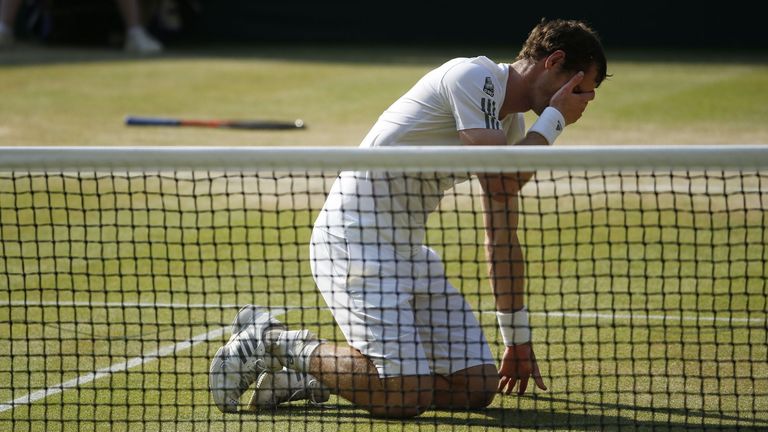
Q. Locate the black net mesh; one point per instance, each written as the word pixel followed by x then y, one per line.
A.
pixel 646 293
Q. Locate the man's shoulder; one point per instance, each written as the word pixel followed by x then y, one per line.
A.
pixel 473 65
pixel 484 61
pixel 479 62
pixel 473 71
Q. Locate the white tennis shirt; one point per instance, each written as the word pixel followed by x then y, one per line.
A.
pixel 392 208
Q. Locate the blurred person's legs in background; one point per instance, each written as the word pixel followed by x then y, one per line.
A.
pixel 8 11
pixel 137 38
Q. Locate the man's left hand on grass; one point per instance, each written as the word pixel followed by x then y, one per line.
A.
pixel 517 366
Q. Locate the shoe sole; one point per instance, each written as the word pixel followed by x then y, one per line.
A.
pixel 246 315
pixel 255 404
pixel 214 375
pixel 250 315
pixel 265 383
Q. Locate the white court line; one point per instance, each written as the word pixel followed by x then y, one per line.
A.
pixel 580 314
pixel 115 368
pixel 636 316
pixel 183 345
pixel 143 305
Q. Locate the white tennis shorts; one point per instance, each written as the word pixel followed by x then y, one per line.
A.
pixel 400 312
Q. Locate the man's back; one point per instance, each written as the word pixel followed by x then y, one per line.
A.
pixel 374 207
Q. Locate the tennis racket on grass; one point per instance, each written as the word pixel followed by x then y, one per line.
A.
pixel 215 123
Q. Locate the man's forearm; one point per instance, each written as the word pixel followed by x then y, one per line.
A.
pixel 505 257
pixel 507 272
pixel 505 261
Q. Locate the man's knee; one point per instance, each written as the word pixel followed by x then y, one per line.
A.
pixel 481 399
pixel 473 388
pixel 400 410
pixel 473 397
pixel 487 387
pixel 403 397
pixel 483 386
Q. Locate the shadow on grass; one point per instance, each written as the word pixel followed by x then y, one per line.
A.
pixel 581 416
pixel 30 54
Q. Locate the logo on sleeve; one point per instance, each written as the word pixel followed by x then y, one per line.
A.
pixel 488 107
pixel 488 87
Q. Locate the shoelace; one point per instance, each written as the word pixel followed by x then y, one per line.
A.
pixel 251 374
pixel 311 399
pixel 312 394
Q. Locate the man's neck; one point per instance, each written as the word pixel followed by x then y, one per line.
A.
pixel 518 95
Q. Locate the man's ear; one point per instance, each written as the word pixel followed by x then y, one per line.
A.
pixel 557 58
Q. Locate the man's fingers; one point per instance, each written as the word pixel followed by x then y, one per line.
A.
pixel 502 384
pixel 587 96
pixel 537 373
pixel 518 366
pixel 573 82
pixel 523 385
pixel 511 386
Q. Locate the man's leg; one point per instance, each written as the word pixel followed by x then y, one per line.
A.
pixel 129 10
pixel 468 389
pixel 383 368
pixel 465 371
pixel 393 389
pixel 259 341
pixel 351 375
pixel 9 9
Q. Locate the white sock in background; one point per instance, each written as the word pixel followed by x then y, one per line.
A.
pixel 140 41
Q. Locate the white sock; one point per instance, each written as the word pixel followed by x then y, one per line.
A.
pixel 294 348
pixel 135 30
pixel 307 385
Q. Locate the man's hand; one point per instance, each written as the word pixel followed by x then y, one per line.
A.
pixel 570 102
pixel 519 364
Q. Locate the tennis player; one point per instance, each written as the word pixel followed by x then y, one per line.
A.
pixel 413 340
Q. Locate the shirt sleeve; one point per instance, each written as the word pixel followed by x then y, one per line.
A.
pixel 473 94
pixel 514 124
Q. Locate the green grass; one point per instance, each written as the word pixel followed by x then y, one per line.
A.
pixel 654 365
pixel 80 97
pixel 659 261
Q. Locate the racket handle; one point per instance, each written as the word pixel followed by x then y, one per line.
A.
pixel 151 121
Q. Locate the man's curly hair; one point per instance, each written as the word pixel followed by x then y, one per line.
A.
pixel 581 44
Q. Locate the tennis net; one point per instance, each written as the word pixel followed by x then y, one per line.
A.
pixel 121 270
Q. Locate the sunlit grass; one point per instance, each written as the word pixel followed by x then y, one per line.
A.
pixel 642 315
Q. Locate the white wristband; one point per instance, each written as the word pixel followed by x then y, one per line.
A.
pixel 514 327
pixel 549 125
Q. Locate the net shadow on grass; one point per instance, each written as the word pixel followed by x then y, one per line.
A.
pixel 583 416
pixel 31 53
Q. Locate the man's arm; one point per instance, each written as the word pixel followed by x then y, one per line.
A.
pixel 505 256
pixel 500 185
pixel 500 213
pixel 500 198
pixel 507 276
pixel 502 246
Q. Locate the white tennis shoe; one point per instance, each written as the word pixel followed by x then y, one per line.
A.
pixel 286 347
pixel 238 364
pixel 139 41
pixel 273 389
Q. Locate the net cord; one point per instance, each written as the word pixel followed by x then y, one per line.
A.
pixel 417 158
